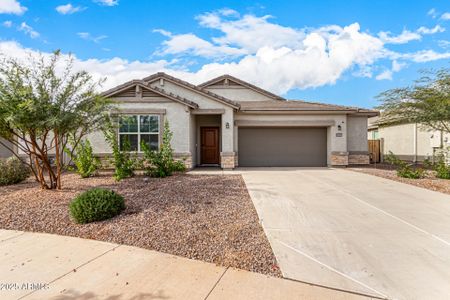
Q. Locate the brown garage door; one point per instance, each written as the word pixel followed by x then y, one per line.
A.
pixel 282 147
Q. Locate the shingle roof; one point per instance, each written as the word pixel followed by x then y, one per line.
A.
pixel 271 105
pixel 207 93
pixel 242 82
pixel 299 105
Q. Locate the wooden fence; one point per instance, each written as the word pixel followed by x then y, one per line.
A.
pixel 374 151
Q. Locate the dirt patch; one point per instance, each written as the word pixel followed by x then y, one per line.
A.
pixel 205 217
pixel 386 171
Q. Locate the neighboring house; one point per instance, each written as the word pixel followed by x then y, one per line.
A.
pixel 228 122
pixel 410 142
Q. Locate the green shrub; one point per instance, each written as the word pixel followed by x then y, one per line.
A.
pixel 96 205
pixel 12 171
pixel 392 159
pixel 407 171
pixel 124 162
pixel 161 163
pixel 86 163
pixel 404 169
pixel 442 169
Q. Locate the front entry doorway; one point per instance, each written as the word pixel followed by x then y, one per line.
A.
pixel 209 146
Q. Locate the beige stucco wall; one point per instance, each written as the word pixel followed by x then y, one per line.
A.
pixel 334 144
pixel 357 134
pixel 401 140
pixel 205 103
pixel 176 114
pixel 238 93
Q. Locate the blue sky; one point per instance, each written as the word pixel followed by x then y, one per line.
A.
pixel 343 52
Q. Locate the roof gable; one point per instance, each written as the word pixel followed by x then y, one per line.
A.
pixel 194 88
pixel 228 80
pixel 139 89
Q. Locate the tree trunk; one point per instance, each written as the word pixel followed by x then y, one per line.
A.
pixel 57 161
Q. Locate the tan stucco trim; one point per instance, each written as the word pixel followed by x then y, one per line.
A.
pixel 127 111
pixel 288 123
pixel 358 152
pixel 218 111
pixel 123 100
pixel 293 112
pixel 140 84
pixel 339 153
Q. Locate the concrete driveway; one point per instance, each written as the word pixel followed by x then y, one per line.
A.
pixel 355 231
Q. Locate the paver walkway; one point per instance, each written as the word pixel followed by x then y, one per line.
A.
pixel 72 268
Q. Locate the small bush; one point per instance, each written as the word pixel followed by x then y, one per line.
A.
pixel 407 171
pixel 96 205
pixel 161 163
pixel 404 169
pixel 12 171
pixel 124 162
pixel 442 169
pixel 86 163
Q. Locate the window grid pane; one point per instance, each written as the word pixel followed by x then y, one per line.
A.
pixel 146 129
pixel 128 124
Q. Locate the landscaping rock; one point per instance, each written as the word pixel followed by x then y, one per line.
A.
pixel 205 217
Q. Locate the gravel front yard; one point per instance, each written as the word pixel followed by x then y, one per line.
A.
pixel 205 217
pixel 429 182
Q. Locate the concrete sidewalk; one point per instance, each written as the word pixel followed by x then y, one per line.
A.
pixel 73 268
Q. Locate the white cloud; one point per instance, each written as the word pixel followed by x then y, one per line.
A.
pixel 397 66
pixel 11 7
pixel 27 29
pixel 107 2
pixel 270 55
pixel 251 32
pixel 403 38
pixel 432 13
pixel 435 29
pixel 7 24
pixel 445 16
pixel 386 75
pixel 228 12
pixel 68 9
pixel 425 56
pixel 163 32
pixel 444 43
pixel 87 36
pixel 190 44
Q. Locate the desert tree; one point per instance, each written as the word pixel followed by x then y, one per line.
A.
pixel 46 107
pixel 426 102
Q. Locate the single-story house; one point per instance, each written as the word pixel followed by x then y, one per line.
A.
pixel 409 142
pixel 228 122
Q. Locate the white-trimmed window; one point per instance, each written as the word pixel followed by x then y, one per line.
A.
pixel 137 129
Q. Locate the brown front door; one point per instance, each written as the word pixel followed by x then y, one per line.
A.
pixel 209 153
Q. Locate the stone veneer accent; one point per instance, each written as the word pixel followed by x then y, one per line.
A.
pixel 339 158
pixel 227 160
pixel 358 158
pixel 184 157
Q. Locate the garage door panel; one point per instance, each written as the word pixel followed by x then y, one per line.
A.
pixel 282 147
